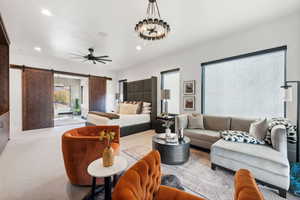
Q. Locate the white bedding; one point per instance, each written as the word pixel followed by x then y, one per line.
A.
pixel 125 120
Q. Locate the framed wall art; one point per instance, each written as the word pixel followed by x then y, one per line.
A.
pixel 189 102
pixel 189 87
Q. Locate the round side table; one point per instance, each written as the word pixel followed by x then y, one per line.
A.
pixel 176 153
pixel 96 170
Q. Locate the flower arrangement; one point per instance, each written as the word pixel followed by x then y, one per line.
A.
pixel 107 137
pixel 108 153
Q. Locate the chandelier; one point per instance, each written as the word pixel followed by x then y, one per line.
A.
pixel 152 27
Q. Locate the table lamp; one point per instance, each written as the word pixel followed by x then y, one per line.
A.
pixel 165 96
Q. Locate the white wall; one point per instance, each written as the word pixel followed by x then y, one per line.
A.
pixel 47 62
pixel 283 31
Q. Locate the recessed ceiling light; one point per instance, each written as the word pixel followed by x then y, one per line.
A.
pixel 46 12
pixel 138 48
pixel 39 49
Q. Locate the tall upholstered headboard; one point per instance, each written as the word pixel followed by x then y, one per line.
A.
pixel 143 90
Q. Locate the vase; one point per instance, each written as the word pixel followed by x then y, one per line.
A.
pixel 180 134
pixel 108 157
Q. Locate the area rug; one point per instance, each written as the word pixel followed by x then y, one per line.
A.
pixel 198 178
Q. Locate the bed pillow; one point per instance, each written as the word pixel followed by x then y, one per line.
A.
pixel 139 103
pixel 129 109
pixel 258 129
pixel 146 110
pixel 195 121
pixel 146 104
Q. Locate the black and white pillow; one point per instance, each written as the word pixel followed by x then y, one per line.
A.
pixel 240 136
pixel 290 128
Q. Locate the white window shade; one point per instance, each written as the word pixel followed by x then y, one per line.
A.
pixel 171 81
pixel 245 87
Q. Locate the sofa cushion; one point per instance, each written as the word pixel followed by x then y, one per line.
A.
pixel 216 123
pixel 200 134
pixel 259 129
pixel 263 157
pixel 195 121
pixel 241 124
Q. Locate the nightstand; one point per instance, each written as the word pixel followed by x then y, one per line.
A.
pixel 159 121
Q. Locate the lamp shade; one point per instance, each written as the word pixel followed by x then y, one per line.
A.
pixel 287 93
pixel 165 94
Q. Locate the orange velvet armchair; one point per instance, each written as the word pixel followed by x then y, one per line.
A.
pixel 142 182
pixel 80 147
pixel 246 187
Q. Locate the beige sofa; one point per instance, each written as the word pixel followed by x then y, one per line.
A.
pixel 268 163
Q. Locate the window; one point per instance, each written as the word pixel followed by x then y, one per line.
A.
pixel 246 86
pixel 121 90
pixel 171 80
pixel 62 98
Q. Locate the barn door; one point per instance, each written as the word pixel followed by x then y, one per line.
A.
pixel 97 94
pixel 37 99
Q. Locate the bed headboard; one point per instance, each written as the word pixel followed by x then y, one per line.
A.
pixel 143 90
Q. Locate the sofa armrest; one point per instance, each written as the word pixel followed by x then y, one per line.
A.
pixel 169 193
pixel 279 139
pixel 181 121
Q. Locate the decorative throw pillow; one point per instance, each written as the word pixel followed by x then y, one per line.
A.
pixel 195 121
pixel 290 128
pixel 140 107
pixel 258 129
pixel 128 108
pixel 240 136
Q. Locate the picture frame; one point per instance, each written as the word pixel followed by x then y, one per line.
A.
pixel 189 102
pixel 189 87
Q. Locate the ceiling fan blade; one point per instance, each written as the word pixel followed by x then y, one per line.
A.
pixel 101 56
pixel 101 61
pixel 107 60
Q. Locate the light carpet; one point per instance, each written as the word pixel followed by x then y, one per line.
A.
pixel 198 178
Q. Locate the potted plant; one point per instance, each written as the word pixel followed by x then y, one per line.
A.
pixel 77 110
pixel 108 154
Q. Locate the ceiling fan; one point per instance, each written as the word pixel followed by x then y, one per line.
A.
pixel 91 57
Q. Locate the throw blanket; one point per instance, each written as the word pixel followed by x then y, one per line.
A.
pixel 240 136
pixel 107 115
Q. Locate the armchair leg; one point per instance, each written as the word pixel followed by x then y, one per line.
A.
pixel 213 166
pixel 282 193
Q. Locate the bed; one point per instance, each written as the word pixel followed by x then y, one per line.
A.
pixel 142 90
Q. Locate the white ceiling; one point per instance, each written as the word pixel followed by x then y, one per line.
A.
pixel 107 25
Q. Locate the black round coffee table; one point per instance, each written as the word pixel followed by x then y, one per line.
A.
pixel 172 153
